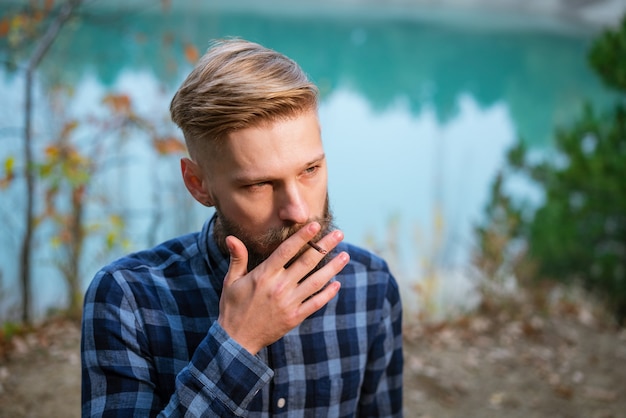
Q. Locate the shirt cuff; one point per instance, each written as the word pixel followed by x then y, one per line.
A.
pixel 227 371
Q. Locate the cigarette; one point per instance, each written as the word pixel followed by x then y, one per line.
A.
pixel 317 247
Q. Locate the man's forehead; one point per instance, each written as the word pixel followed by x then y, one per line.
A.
pixel 285 144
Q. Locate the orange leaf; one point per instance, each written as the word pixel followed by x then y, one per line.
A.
pixel 4 27
pixel 68 128
pixel 118 102
pixel 191 53
pixel 38 16
pixel 168 145
pixel 52 151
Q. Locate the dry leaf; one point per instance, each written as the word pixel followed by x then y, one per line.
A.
pixel 191 53
pixel 169 145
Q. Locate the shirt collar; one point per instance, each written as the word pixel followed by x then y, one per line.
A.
pixel 217 262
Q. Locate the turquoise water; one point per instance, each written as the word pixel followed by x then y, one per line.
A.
pixel 417 110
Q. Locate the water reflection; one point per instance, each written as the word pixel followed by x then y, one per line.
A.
pixel 416 117
pixel 541 75
pixel 427 178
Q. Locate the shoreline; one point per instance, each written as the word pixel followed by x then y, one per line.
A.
pixel 577 15
pixel 573 15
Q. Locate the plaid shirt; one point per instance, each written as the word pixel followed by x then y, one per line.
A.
pixel 151 344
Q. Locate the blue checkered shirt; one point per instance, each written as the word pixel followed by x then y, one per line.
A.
pixel 151 344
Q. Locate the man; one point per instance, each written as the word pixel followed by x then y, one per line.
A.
pixel 265 311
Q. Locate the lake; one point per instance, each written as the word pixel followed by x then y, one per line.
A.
pixel 418 110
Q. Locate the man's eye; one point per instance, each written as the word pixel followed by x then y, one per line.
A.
pixel 311 170
pixel 257 186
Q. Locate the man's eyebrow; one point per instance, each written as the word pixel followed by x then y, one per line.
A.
pixel 320 158
pixel 243 179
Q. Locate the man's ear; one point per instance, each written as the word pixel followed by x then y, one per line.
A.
pixel 195 181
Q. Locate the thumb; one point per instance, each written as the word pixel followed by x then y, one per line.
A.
pixel 238 260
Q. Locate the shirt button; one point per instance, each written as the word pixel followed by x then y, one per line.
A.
pixel 281 403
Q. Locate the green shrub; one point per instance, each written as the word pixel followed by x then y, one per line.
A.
pixel 578 232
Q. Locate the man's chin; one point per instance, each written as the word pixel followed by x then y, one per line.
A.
pixel 255 258
pixel 262 252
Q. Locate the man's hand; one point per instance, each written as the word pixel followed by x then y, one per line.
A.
pixel 259 307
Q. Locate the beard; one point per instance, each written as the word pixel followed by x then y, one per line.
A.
pixel 260 247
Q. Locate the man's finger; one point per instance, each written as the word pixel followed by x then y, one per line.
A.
pixel 238 260
pixel 315 302
pixel 309 259
pixel 289 248
pixel 320 278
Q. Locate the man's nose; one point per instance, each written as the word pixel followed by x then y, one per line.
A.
pixel 293 206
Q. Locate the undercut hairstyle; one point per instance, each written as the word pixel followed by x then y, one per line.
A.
pixel 238 84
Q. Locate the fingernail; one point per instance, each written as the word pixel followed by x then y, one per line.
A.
pixel 314 227
pixel 229 245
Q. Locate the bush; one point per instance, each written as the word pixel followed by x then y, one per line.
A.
pixel 577 234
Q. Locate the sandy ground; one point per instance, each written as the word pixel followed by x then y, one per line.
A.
pixel 40 376
pixel 533 367
pixel 565 365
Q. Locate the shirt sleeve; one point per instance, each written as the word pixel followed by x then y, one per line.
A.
pixel 381 393
pixel 118 374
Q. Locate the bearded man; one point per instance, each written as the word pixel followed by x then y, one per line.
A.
pixel 265 311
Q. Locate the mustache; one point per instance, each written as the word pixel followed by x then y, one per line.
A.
pixel 275 236
pixel 261 246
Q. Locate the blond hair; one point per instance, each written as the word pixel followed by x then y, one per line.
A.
pixel 238 84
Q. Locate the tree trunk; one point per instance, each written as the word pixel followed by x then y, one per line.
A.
pixel 26 248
